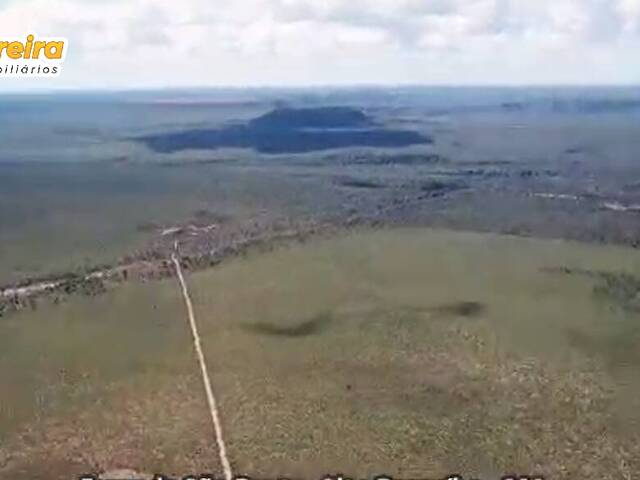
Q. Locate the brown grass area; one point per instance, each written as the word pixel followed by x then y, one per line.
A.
pixel 459 407
pixel 157 429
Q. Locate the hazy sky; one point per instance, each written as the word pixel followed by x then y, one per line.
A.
pixel 140 43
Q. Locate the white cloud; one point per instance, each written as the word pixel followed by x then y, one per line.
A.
pixel 630 12
pixel 123 43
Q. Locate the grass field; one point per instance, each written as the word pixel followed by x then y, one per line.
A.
pixel 59 217
pixel 406 352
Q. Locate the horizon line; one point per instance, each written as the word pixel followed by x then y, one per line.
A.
pixel 302 87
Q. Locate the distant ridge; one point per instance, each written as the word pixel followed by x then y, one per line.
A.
pixel 323 117
pixel 291 130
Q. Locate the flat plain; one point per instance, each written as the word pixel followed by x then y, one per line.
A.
pixel 412 281
pixel 400 351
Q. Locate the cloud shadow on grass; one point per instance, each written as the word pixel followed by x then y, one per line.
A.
pixel 313 326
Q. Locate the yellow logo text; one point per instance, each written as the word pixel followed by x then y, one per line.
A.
pixel 32 49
